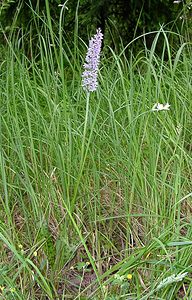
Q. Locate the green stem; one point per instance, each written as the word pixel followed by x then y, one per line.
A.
pixel 83 153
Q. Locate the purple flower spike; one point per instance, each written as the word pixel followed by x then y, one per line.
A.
pixel 91 65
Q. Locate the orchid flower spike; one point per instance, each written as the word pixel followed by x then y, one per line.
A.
pixel 91 65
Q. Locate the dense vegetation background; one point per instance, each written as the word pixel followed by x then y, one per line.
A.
pixel 121 19
pixel 95 189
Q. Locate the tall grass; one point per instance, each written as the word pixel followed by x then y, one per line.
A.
pixel 83 206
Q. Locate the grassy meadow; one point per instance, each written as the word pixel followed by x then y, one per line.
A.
pixel 95 196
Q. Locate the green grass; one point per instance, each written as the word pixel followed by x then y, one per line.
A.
pixel 92 190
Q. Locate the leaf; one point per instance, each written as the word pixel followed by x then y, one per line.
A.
pixel 184 243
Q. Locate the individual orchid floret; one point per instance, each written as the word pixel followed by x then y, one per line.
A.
pixel 91 65
pixel 159 106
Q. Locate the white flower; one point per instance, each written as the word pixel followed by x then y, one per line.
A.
pixel 178 129
pixel 177 1
pixel 159 106
pixel 118 277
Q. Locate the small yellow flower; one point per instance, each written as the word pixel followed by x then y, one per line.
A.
pixel 35 253
pixel 20 246
pixel 129 276
pixel 2 288
pixel 87 263
pixel 12 290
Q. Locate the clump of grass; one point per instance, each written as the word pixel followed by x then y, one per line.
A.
pixel 69 236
